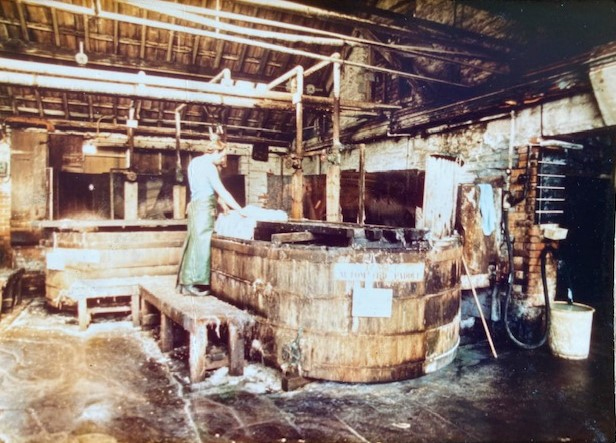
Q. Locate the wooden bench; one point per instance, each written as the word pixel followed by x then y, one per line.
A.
pixel 108 291
pixel 195 315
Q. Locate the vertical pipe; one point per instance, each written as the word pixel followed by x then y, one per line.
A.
pixel 511 146
pixel 111 197
pixel 333 170
pixel 297 180
pixel 131 138
pixel 50 179
pixel 361 211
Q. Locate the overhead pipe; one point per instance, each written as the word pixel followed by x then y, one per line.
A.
pixel 246 41
pixel 163 8
pixel 100 81
pixel 224 75
pixel 315 68
pixel 295 72
pixel 323 13
pixel 425 51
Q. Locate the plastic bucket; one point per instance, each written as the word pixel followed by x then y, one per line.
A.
pixel 570 329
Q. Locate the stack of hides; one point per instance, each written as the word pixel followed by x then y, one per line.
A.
pixel 234 224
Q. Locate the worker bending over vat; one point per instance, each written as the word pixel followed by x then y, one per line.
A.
pixel 205 187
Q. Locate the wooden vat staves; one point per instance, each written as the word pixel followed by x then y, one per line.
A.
pixel 382 304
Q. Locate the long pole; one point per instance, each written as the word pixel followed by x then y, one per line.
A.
pixel 483 320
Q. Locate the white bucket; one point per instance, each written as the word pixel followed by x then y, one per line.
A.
pixel 570 329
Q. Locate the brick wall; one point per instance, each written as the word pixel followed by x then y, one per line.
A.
pixel 528 239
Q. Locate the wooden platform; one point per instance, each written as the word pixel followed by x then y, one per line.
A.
pixel 195 315
pixel 341 234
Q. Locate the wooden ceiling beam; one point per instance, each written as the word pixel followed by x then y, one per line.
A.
pixel 412 25
pixel 116 30
pixel 54 23
pixel 22 22
pixel 218 36
pixel 144 33
pixel 86 33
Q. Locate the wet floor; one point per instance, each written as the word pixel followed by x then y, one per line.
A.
pixel 111 383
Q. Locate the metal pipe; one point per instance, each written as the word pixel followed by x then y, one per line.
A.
pixel 251 42
pixel 323 13
pixel 145 86
pixel 163 8
pixel 131 138
pixel 284 77
pixel 224 74
pixel 336 107
pixel 361 204
pixel 315 68
pixel 426 51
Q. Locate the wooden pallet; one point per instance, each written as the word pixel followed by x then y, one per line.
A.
pixel 195 315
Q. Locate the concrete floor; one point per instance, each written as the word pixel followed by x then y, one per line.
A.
pixel 112 384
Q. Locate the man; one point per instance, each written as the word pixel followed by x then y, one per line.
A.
pixel 205 187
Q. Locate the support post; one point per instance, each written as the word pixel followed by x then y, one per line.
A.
pixel 179 201
pixel 83 314
pixel 166 333
pixel 131 200
pixel 333 169
pixel 297 180
pixel 236 351
pixel 361 211
pixel 196 357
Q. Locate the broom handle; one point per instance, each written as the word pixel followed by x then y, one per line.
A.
pixel 483 320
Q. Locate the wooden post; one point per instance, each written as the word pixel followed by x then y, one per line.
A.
pixel 166 333
pixel 196 357
pixel 131 200
pixel 179 201
pixel 236 351
pixel 297 180
pixel 134 309
pixel 333 169
pixel 361 212
pixel 147 313
pixel 82 313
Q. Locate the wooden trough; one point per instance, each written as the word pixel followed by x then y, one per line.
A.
pixel 381 304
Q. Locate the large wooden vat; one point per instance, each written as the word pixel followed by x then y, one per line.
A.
pixel 373 310
pixel 99 256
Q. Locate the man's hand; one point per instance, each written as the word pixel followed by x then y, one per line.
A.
pixel 223 205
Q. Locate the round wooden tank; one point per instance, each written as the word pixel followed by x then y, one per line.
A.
pixel 375 310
